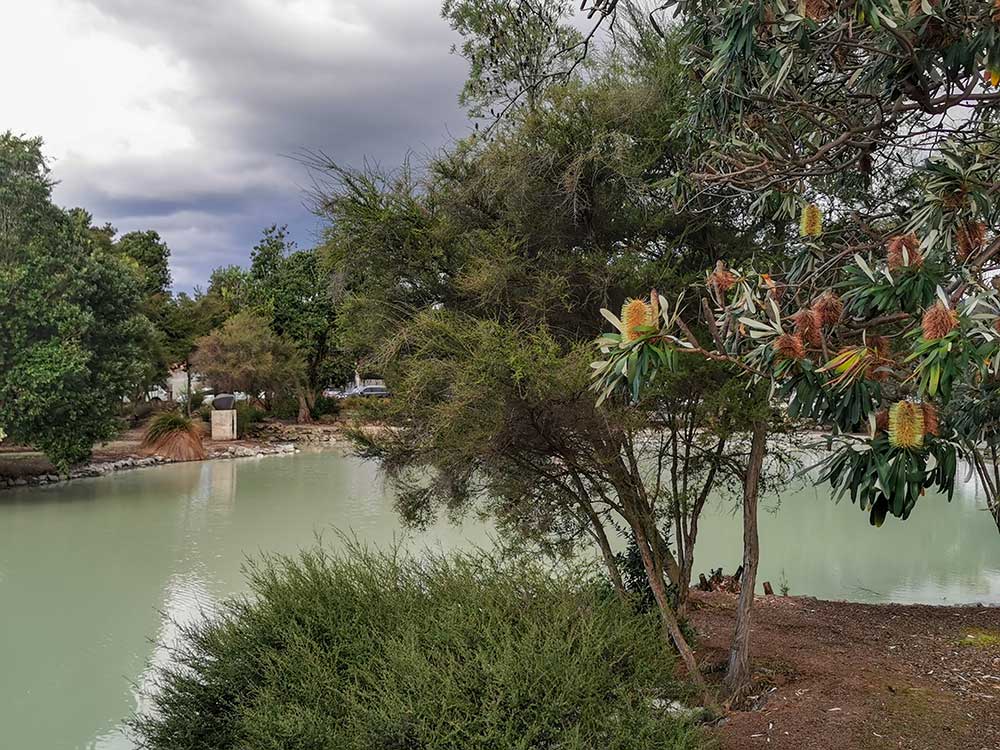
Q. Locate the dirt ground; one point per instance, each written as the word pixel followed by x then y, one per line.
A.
pixel 841 676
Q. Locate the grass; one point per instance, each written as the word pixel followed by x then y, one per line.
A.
pixel 174 436
pixel 361 650
pixel 980 638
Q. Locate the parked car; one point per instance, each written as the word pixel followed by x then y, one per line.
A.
pixel 368 391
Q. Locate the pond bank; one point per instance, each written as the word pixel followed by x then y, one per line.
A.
pixel 24 467
pixel 834 675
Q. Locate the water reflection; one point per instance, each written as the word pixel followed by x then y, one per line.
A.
pixel 92 572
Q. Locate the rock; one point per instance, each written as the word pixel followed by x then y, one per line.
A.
pixel 20 482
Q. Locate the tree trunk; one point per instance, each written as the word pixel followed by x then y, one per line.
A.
pixel 304 417
pixel 739 673
pixel 187 372
pixel 670 624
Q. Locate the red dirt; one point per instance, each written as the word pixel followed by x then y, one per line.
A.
pixel 840 675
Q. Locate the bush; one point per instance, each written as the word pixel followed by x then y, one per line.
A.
pixel 285 407
pixel 175 436
pixel 246 416
pixel 197 399
pixel 371 650
pixel 325 407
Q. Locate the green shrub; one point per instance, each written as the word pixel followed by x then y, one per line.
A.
pixel 367 650
pixel 325 407
pixel 197 399
pixel 246 416
pixel 205 412
pixel 286 407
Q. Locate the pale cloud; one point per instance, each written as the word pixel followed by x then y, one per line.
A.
pixel 180 116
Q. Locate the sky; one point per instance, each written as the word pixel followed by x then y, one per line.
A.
pixel 184 116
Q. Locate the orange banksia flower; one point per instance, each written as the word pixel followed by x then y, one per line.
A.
pixel 828 308
pixel 807 325
pixel 789 346
pixel 904 250
pixel 635 313
pixel 721 278
pixel 811 221
pixel 931 423
pixel 878 370
pixel 906 425
pixel 970 238
pixel 938 322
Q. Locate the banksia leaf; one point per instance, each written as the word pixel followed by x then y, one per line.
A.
pixel 828 308
pixel 906 425
pixel 807 325
pixel 904 250
pixel 970 238
pixel 811 221
pixel 635 314
pixel 931 423
pixel 789 346
pixel 938 322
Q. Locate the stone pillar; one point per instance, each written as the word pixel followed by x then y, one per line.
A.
pixel 223 424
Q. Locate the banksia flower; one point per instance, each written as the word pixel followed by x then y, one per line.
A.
pixel 721 278
pixel 970 238
pixel 930 413
pixel 817 10
pixel 992 76
pixel 906 425
pixel 828 308
pixel 904 250
pixel 811 221
pixel 807 326
pixel 878 369
pixel 996 12
pixel 635 313
pixel 938 322
pixel 789 346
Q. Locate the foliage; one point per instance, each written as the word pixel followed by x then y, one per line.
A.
pixel 245 355
pixel 174 436
pixel 364 649
pixel 69 319
pixel 246 416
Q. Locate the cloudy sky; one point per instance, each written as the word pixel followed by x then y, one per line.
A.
pixel 180 115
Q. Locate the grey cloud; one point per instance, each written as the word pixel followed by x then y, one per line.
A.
pixel 378 83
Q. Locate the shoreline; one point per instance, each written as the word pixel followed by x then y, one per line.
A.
pixel 30 469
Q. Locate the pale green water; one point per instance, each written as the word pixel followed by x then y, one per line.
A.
pixel 87 568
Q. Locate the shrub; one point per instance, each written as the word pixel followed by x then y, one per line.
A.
pixel 197 399
pixel 175 436
pixel 325 407
pixel 285 407
pixel 246 416
pixel 367 650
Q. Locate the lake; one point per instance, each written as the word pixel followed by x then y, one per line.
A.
pixel 92 572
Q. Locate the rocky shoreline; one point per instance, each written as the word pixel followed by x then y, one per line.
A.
pixel 270 439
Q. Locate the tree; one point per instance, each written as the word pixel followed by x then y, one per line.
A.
pixel 246 355
pixel 476 292
pixel 69 319
pixel 870 127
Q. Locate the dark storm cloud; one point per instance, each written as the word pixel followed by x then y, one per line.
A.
pixel 372 78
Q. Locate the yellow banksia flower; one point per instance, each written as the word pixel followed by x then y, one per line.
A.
pixel 938 322
pixel 829 308
pixel 992 76
pixel 807 325
pixel 904 250
pixel 811 221
pixel 906 425
pixel 635 314
pixel 789 346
